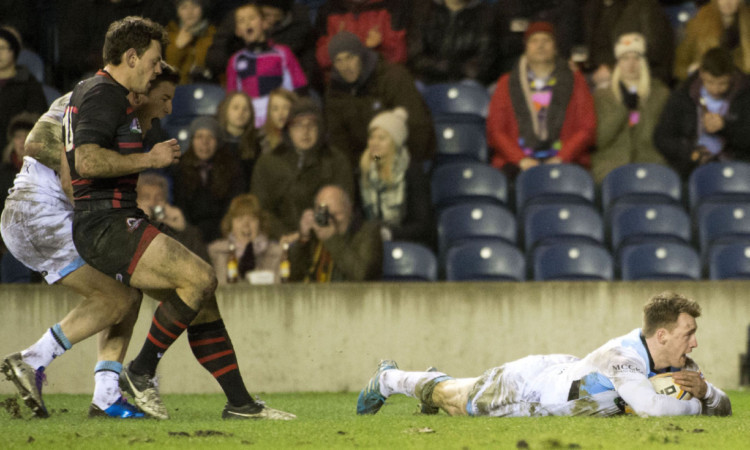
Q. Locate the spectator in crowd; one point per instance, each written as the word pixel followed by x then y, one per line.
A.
pixel 333 244
pixel 627 111
pixel 286 179
pixel 189 40
pixel 605 21
pixel 363 84
pixel 279 104
pixel 237 121
pixel 207 178
pixel 380 24
pixel 395 192
pixel 153 191
pixel 87 22
pixel 513 18
pixel 12 156
pixel 706 117
pixel 542 112
pixel 261 66
pixel 286 23
pixel 245 231
pixel 724 23
pixel 19 90
pixel 452 40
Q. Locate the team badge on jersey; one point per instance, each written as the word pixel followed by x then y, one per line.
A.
pixel 135 126
pixel 133 223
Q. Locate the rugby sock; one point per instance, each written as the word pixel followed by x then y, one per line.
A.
pixel 213 349
pixel 52 344
pixel 106 378
pixel 170 320
pixel 409 383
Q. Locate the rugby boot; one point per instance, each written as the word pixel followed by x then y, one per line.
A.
pixel 145 393
pixel 370 399
pixel 120 409
pixel 255 411
pixel 28 382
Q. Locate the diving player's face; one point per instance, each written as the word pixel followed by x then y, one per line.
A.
pixel 158 102
pixel 147 67
pixel 681 340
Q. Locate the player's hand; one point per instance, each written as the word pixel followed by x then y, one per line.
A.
pixel 691 381
pixel 165 153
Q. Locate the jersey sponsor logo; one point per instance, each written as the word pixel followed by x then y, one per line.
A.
pixel 133 223
pixel 629 368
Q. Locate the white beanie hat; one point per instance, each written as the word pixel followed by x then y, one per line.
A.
pixel 394 123
pixel 630 42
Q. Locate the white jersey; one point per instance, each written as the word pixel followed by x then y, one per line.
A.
pixel 622 366
pixel 36 182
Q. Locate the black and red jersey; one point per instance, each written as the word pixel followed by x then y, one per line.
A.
pixel 100 113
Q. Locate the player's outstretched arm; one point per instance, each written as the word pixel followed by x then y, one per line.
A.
pixel 44 143
pixel 715 401
pixel 645 401
pixel 93 161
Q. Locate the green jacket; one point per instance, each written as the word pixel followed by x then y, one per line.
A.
pixel 285 191
pixel 617 143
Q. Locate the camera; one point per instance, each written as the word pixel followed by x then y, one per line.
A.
pixel 322 216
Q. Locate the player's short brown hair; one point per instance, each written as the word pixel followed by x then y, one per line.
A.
pixel 131 32
pixel 662 310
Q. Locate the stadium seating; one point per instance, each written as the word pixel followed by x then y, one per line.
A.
pixel 408 261
pixel 679 15
pixel 193 100
pixel 457 99
pixel 472 181
pixel 471 220
pixel 719 182
pixel 641 183
pixel 549 224
pixel 485 260
pixel 554 183
pixel 33 62
pixel 722 222
pixel 179 132
pixel 572 261
pixel 659 261
pixel 729 261
pixel 460 141
pixel 637 223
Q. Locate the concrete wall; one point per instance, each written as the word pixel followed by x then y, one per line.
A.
pixel 330 338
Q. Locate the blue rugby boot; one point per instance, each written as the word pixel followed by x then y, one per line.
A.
pixel 120 409
pixel 28 382
pixel 370 399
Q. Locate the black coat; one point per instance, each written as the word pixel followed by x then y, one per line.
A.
pixel 21 93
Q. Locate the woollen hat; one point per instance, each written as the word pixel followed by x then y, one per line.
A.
pixel 345 41
pixel 15 44
pixel 206 123
pixel 394 123
pixel 630 42
pixel 538 27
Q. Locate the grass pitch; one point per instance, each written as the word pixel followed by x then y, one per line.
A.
pixel 328 420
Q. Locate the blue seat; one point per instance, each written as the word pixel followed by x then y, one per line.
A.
pixel 473 220
pixel 572 261
pixel 730 261
pixel 641 183
pixel 722 222
pixel 179 132
pixel 408 261
pixel 636 223
pixel 659 261
pixel 457 99
pixel 679 15
pixel 461 141
pixel 193 100
pixel 549 224
pixel 485 260
pixel 472 181
pixel 554 183
pixel 719 182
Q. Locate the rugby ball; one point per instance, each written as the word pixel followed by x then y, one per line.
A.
pixel 664 384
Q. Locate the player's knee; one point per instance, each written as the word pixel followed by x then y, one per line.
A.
pixel 127 308
pixel 207 283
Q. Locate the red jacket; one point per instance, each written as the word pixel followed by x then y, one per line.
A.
pixel 383 15
pixel 577 135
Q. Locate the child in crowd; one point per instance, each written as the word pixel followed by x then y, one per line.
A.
pixel 279 104
pixel 237 122
pixel 261 66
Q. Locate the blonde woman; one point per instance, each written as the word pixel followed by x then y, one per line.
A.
pixel 394 191
pixel 244 230
pixel 279 104
pixel 237 123
pixel 628 110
